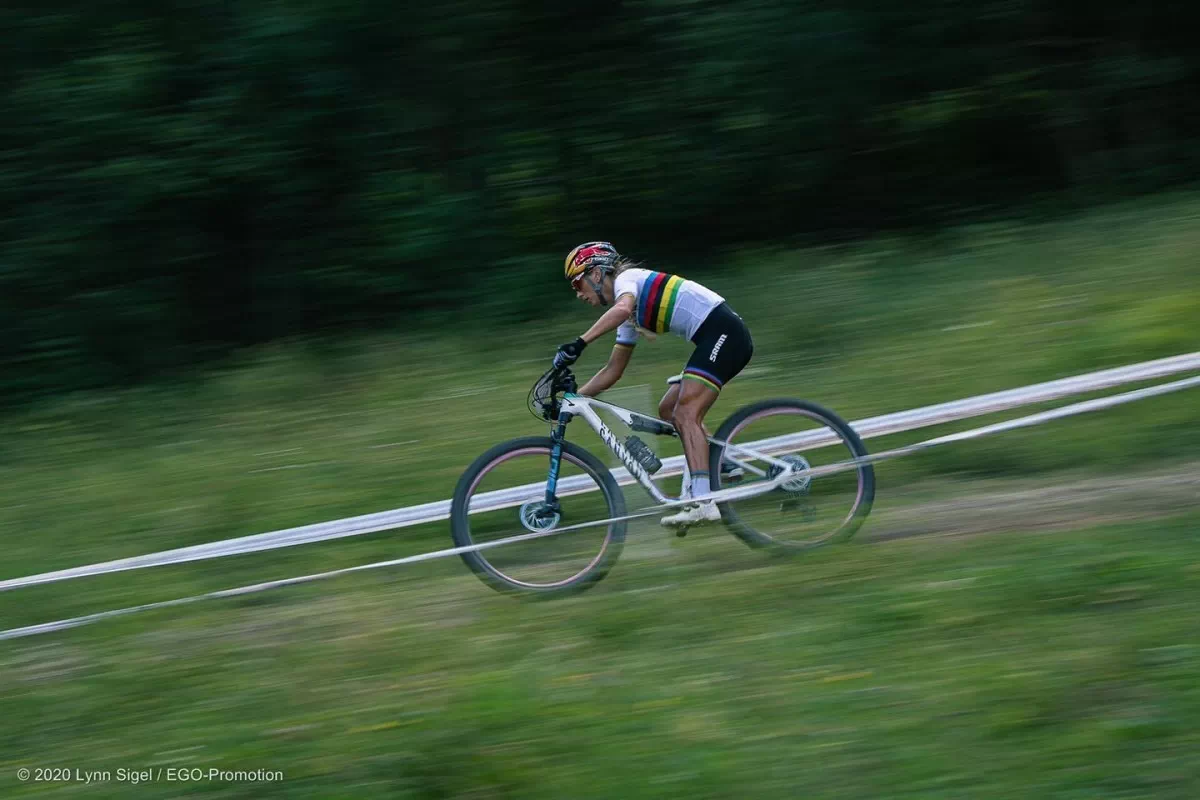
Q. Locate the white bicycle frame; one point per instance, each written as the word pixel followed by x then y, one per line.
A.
pixel 579 406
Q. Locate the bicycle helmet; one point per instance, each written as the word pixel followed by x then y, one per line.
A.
pixel 586 256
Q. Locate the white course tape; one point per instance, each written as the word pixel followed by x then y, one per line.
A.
pixel 1022 422
pixel 75 622
pixel 432 512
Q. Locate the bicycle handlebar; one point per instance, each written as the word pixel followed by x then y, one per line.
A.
pixel 543 397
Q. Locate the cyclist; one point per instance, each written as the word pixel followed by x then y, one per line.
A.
pixel 644 303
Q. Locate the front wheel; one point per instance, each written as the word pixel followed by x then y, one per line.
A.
pixel 803 513
pixel 503 495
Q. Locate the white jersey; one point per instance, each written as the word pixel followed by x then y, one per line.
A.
pixel 661 303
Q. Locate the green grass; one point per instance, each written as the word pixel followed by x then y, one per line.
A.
pixel 1018 665
pixel 1021 665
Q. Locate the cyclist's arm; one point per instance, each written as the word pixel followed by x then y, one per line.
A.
pixel 611 319
pixel 610 373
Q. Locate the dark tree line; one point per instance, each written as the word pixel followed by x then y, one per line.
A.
pixel 181 177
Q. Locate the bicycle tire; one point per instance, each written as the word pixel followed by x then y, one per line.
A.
pixel 460 524
pixel 852 441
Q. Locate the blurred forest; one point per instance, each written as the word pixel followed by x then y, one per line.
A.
pixel 183 177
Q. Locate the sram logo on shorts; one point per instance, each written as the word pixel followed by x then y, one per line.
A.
pixel 717 347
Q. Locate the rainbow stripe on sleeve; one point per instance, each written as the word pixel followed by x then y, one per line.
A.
pixel 657 299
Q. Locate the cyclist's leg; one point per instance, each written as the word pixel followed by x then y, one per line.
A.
pixel 695 399
pixel 723 348
pixel 696 396
pixel 666 406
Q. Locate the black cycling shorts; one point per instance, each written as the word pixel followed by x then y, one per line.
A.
pixel 723 348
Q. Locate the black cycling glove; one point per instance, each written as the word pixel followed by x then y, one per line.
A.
pixel 569 353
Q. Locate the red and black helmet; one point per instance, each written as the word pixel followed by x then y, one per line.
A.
pixel 586 256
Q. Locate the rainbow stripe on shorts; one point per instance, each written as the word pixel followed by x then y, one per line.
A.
pixel 707 378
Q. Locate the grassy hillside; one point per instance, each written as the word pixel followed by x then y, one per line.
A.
pixel 1021 665
pixel 1017 665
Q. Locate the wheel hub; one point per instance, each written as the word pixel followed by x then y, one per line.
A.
pixel 799 484
pixel 537 516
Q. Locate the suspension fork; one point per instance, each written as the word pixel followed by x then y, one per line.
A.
pixel 557 437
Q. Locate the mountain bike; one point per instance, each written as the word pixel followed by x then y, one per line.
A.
pixel 546 517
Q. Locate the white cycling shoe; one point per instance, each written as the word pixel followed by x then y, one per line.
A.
pixel 694 514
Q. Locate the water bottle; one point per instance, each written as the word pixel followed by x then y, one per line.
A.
pixel 642 454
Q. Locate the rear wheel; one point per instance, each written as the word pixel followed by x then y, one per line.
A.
pixel 503 494
pixel 806 512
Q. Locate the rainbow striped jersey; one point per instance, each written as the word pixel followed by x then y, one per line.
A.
pixel 662 302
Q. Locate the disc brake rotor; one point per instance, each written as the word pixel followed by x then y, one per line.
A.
pixel 537 516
